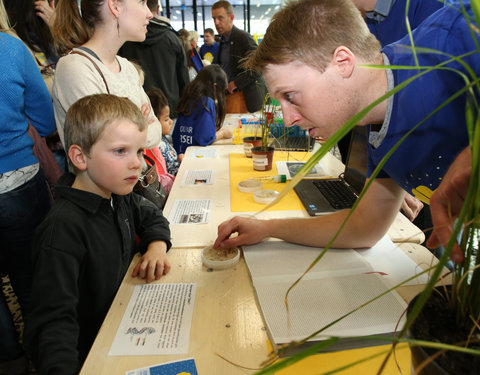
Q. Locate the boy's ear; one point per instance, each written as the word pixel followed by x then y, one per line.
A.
pixel 344 59
pixel 78 158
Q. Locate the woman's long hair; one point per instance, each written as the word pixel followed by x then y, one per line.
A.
pixel 211 81
pixel 30 28
pixel 72 28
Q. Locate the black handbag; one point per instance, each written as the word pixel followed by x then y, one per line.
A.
pixel 149 187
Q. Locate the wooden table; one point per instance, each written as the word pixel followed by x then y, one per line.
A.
pixel 226 320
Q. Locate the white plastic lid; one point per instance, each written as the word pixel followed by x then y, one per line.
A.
pixel 220 259
pixel 249 186
pixel 265 196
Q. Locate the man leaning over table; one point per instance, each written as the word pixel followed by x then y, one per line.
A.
pixel 323 80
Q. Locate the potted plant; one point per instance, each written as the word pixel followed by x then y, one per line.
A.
pixel 262 154
pixel 460 303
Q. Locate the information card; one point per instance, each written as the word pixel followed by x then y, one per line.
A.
pixel 157 320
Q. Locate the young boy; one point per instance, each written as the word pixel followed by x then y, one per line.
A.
pixel 85 245
pixel 324 80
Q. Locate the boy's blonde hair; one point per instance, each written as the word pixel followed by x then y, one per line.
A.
pixel 309 31
pixel 87 118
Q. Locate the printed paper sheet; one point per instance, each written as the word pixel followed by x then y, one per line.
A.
pixel 157 320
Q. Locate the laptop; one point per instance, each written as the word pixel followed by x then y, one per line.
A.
pixel 320 196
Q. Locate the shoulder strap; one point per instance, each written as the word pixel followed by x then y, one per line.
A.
pixel 96 67
pixel 153 163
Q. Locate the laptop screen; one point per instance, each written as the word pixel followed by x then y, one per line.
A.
pixel 356 163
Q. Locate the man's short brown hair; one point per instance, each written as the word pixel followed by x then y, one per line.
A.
pixel 208 31
pixel 223 4
pixel 309 31
pixel 87 118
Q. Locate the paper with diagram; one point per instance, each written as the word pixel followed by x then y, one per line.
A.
pixel 157 320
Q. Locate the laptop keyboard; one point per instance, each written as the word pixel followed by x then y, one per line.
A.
pixel 294 143
pixel 337 193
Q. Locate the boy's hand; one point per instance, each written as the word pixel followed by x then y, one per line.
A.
pixel 154 263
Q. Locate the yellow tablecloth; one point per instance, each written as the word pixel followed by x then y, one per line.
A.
pixel 241 168
pixel 324 362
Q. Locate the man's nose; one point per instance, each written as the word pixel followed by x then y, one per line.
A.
pixel 290 116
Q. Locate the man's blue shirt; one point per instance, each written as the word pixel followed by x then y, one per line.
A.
pixel 421 161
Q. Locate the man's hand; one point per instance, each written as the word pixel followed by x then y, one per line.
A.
pixel 154 263
pixel 250 231
pixel 411 206
pixel 231 87
pixel 447 201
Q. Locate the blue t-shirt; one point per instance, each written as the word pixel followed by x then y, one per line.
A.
pixel 393 27
pixel 421 161
pixel 198 129
pixel 209 52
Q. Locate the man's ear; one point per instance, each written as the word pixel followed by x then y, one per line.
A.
pixel 344 59
pixel 78 158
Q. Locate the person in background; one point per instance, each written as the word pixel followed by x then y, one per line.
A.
pixel 33 29
pixel 194 63
pixel 85 245
pixel 183 34
pixel 209 49
pixel 336 83
pixel 386 18
pixel 201 110
pixel 24 195
pixel 35 33
pixel 32 23
pixel 90 41
pixel 162 111
pixel 235 45
pixel 165 178
pixel 193 37
pixel 45 9
pixel 162 58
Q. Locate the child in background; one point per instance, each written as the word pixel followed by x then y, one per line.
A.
pixel 156 153
pixel 85 245
pixel 201 110
pixel 161 109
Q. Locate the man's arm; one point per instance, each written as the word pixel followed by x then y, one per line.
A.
pixel 368 224
pixel 447 201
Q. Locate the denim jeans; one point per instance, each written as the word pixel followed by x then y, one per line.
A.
pixel 21 210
